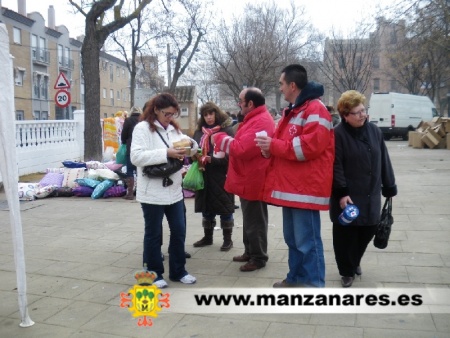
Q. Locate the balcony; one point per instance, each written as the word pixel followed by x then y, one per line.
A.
pixel 41 56
pixel 66 63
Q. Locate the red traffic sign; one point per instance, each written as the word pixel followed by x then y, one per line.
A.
pixel 61 82
pixel 62 98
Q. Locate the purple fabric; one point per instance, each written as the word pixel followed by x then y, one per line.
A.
pixel 116 191
pixel 83 191
pixel 55 179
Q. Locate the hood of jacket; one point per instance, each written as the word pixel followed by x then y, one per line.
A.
pixel 312 90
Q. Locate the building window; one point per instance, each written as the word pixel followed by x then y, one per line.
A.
pixel 36 115
pixel 376 62
pixel 20 115
pixel 17 35
pixel 34 46
pixel 105 115
pixel 393 85
pixel 19 76
pixel 376 84
pixel 393 37
pixel 184 112
pixel 123 72
pixel 118 95
pixel 60 55
pixel 37 87
pixel 111 96
pixel 104 93
pixel 111 73
pixel 118 71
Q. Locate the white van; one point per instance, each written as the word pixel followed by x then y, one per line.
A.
pixel 397 114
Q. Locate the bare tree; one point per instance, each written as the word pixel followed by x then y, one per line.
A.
pixel 253 48
pixel 428 40
pixel 97 31
pixel 347 63
pixel 183 37
pixel 134 46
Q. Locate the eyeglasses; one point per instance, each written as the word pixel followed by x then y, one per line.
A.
pixel 360 113
pixel 240 102
pixel 166 114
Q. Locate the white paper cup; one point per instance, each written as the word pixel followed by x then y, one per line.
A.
pixel 261 133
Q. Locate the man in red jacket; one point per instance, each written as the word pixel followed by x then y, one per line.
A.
pixel 246 175
pixel 300 174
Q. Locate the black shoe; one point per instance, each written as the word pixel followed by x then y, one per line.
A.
pixel 187 254
pixel 236 206
pixel 347 281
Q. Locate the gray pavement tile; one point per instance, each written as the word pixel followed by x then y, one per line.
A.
pixel 409 259
pixel 429 275
pixel 392 333
pixel 333 319
pixel 77 313
pixel 442 322
pixel 46 307
pixel 10 328
pixel 203 326
pixel 119 321
pixel 324 331
pixel 426 246
pixel 422 322
pixel 289 330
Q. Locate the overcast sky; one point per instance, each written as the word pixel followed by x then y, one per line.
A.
pixel 324 14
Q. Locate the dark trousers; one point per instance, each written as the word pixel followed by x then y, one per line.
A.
pixel 350 243
pixel 255 224
pixel 153 216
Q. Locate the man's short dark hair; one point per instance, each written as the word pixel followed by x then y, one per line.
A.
pixel 296 73
pixel 255 95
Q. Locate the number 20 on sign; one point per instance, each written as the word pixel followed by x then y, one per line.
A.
pixel 62 98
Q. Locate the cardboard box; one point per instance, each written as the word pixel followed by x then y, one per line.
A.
pixel 423 125
pixel 442 143
pixel 436 120
pixel 440 130
pixel 415 138
pixel 429 140
pixel 435 134
pixel 446 124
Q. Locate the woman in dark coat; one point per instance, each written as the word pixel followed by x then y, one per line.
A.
pixel 126 138
pixel 362 172
pixel 213 200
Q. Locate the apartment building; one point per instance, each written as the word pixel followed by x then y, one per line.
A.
pixel 41 52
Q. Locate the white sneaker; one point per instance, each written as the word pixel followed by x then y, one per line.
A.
pixel 188 279
pixel 161 284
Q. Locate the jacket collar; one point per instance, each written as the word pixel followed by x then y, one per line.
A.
pixel 311 91
pixel 254 112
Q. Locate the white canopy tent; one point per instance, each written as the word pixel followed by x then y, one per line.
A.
pixel 9 172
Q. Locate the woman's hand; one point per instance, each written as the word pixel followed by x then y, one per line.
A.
pixel 176 153
pixel 344 201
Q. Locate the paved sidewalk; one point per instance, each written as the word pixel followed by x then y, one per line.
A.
pixel 82 253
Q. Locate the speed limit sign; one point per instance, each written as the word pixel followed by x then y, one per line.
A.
pixel 62 98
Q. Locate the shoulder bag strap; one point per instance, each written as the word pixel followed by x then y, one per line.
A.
pixel 162 138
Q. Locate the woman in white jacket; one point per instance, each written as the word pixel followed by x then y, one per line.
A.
pixel 161 196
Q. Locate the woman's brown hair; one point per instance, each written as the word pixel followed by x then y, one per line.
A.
pixel 158 102
pixel 209 106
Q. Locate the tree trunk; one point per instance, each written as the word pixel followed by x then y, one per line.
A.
pixel 90 54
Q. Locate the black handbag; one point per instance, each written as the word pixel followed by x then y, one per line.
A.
pixel 384 227
pixel 163 169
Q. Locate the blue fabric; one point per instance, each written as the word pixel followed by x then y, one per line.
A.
pixel 152 260
pixel 301 229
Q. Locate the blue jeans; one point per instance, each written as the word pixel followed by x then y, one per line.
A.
pixel 212 217
pixel 153 217
pixel 301 229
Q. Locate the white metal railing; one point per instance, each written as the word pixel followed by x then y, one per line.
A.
pixel 41 133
